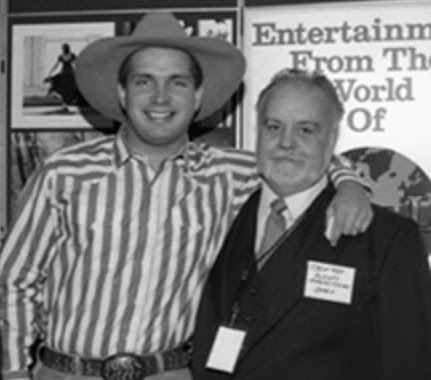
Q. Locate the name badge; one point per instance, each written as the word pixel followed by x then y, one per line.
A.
pixel 329 282
pixel 225 349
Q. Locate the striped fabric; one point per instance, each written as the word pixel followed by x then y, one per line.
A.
pixel 105 258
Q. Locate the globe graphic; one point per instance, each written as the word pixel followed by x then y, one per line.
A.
pixel 398 184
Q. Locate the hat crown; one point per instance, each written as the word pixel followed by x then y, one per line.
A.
pixel 98 64
pixel 159 25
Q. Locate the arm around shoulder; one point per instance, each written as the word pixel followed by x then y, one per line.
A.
pixel 350 211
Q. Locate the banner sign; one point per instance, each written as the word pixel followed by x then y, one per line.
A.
pixel 377 53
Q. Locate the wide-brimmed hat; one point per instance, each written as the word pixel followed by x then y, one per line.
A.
pixel 98 64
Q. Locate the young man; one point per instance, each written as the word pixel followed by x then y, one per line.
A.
pixel 296 307
pixel 109 253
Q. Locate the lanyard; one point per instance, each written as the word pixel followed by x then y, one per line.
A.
pixel 246 272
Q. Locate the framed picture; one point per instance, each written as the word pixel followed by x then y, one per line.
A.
pixel 44 94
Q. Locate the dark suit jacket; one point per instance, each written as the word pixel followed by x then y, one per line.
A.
pixel 385 333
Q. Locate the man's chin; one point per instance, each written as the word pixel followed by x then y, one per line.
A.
pixel 288 188
pixel 286 172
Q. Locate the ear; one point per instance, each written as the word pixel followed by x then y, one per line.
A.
pixel 336 133
pixel 198 97
pixel 333 139
pixel 121 94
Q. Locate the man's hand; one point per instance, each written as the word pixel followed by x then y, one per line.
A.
pixel 349 213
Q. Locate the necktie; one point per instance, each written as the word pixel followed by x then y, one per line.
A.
pixel 275 227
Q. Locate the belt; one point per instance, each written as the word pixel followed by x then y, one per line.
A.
pixel 120 366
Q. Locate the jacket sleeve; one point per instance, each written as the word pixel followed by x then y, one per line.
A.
pixel 22 259
pixel 404 308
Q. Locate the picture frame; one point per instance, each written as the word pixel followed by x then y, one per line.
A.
pixel 38 83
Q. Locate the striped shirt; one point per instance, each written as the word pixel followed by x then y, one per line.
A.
pixel 106 257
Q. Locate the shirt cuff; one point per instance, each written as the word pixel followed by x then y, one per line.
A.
pixel 341 169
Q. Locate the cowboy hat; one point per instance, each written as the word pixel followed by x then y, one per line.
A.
pixel 98 64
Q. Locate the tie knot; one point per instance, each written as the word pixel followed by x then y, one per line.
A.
pixel 278 206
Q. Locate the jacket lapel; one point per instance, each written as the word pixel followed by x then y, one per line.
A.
pixel 282 278
pixel 236 256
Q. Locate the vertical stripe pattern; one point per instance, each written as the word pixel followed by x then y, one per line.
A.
pixel 113 259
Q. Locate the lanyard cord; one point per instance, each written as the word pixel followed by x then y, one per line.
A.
pixel 246 272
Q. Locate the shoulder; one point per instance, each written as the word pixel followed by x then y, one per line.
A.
pixel 225 153
pixel 391 229
pixel 398 248
pixel 94 151
pixel 391 220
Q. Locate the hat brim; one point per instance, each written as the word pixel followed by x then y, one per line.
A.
pixel 97 67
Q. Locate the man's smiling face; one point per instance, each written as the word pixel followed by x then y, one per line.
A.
pixel 159 97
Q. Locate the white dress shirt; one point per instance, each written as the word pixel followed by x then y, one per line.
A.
pixel 296 205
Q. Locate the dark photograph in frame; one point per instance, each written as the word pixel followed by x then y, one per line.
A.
pixel 44 94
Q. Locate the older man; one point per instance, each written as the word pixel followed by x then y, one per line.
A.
pixel 281 303
pixel 114 238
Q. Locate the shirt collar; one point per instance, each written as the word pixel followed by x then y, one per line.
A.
pixel 122 153
pixel 296 203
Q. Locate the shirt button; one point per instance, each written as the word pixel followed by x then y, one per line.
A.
pixel 252 290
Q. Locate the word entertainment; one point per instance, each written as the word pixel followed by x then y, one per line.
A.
pixel 269 33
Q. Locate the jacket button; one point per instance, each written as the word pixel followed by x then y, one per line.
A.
pixel 248 320
pixel 252 290
pixel 245 275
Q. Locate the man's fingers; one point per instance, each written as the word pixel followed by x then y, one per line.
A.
pixel 366 220
pixel 356 222
pixel 333 226
pixel 347 220
pixel 352 225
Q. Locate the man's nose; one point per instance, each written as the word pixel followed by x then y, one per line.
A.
pixel 161 93
pixel 287 138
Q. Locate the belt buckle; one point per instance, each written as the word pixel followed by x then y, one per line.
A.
pixel 124 366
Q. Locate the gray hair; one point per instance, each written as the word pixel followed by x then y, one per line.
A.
pixel 305 77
